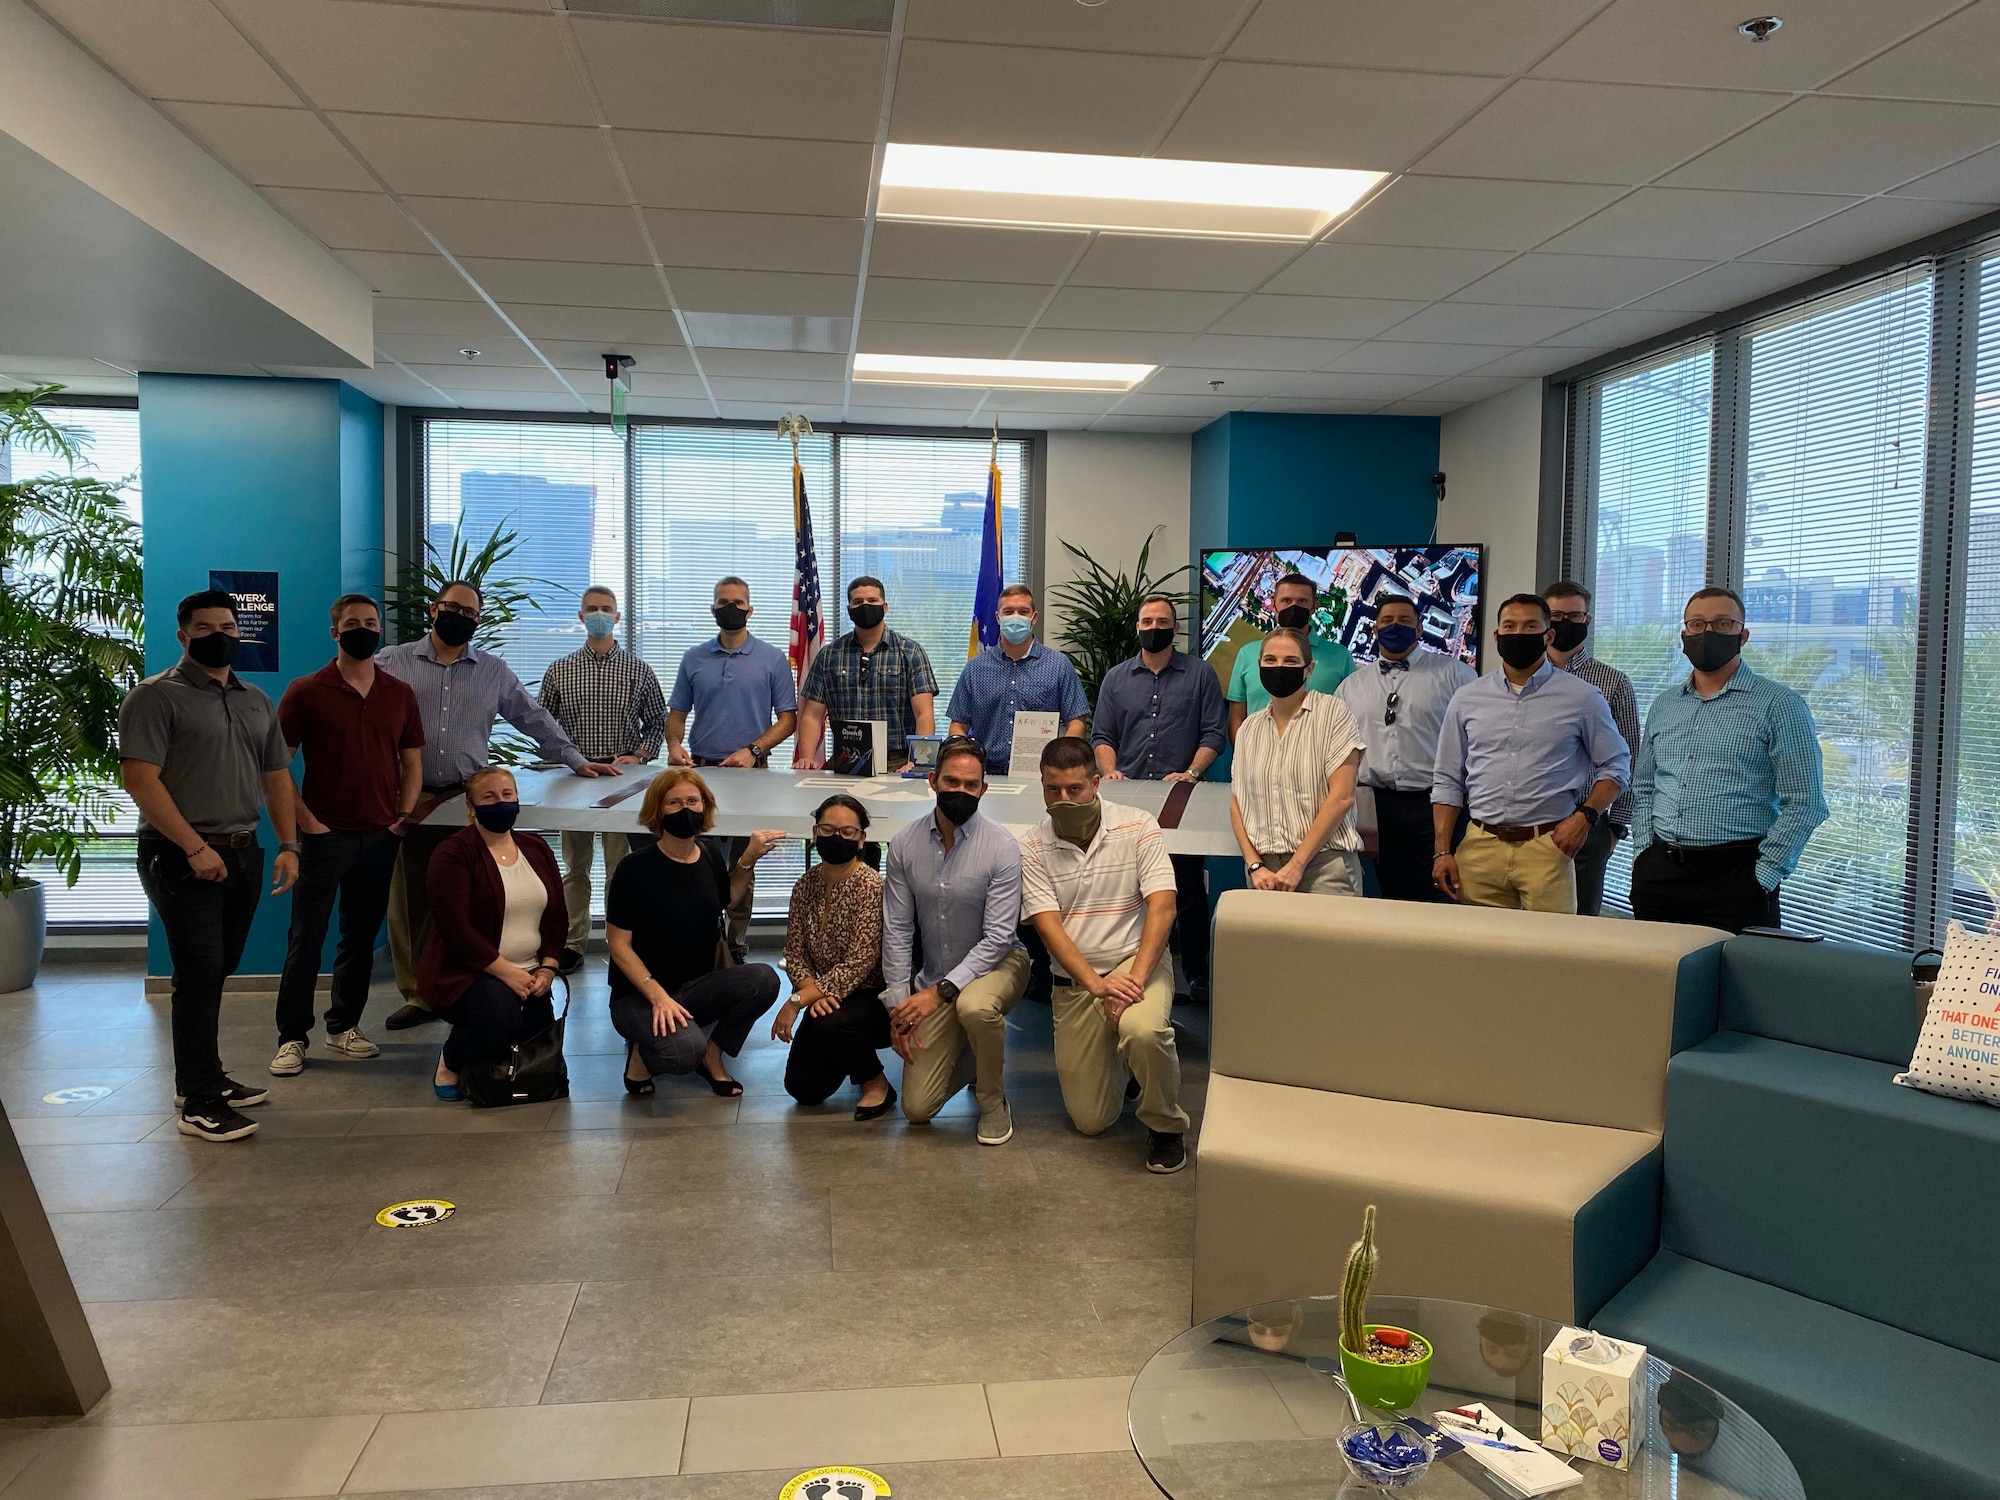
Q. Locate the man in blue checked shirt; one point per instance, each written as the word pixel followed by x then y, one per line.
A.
pixel 1728 783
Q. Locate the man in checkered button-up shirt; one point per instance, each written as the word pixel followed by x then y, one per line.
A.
pixel 610 703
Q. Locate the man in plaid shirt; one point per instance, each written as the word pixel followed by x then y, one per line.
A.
pixel 869 673
pixel 609 702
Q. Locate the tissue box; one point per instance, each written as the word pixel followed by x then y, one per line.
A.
pixel 1593 1397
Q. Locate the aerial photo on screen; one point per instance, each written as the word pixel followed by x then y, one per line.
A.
pixel 1236 591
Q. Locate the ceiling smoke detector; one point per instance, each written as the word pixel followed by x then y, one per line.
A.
pixel 1759 28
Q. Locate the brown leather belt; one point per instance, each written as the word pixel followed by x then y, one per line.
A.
pixel 1509 835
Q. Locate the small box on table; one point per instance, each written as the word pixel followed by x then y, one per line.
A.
pixel 1593 1397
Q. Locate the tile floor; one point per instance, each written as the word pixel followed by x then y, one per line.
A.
pixel 683 1298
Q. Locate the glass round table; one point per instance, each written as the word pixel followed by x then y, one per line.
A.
pixel 1250 1406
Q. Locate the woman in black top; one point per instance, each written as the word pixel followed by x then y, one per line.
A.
pixel 663 921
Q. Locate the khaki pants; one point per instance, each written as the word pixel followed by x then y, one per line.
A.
pixel 577 853
pixel 1533 876
pixel 1093 1058
pixel 1331 872
pixel 965 1042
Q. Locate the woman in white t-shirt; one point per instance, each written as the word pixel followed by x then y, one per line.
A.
pixel 1292 804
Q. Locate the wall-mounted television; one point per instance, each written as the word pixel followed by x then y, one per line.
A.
pixel 1236 589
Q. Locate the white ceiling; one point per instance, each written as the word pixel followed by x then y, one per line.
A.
pixel 1574 175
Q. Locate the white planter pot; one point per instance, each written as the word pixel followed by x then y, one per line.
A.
pixel 23 925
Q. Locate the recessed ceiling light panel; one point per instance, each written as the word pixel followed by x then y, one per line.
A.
pixel 1131 194
pixel 997 374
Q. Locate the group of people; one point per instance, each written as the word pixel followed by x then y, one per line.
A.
pixel 1510 789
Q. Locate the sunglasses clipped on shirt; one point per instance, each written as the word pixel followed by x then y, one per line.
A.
pixel 1389 709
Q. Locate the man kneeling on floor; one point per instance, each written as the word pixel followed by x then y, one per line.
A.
pixel 1097 884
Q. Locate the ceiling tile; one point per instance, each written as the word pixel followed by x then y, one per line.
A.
pixel 787 393
pixel 1316 317
pixel 1139 405
pixel 1421 407
pixel 172 49
pixel 1471 387
pixel 1418 359
pixel 998 303
pixel 1578 280
pixel 609 326
pixel 1472 213
pixel 940 400
pixel 1545 360
pixel 757 242
pixel 957 340
pixel 1338 269
pixel 485 159
pixel 1092 403
pixel 1729 285
pixel 1245 384
pixel 351 221
pixel 443 349
pixel 1320 117
pixel 1974 180
pixel 1460 36
pixel 1192 27
pixel 272 147
pixel 1025 98
pixel 588 354
pixel 964 252
pixel 1344 386
pixel 1139 311
pixel 1821 145
pixel 533 231
pixel 1617 328
pixel 773 364
pixel 555 399
pixel 1318 405
pixel 1868 228
pixel 468 322
pixel 567 283
pixel 1696 42
pixel 1592 132
pixel 746 173
pixel 1477 323
pixel 1119 422
pixel 641 406
pixel 731 80
pixel 1145 260
pixel 770 411
pixel 1235 352
pixel 424 276
pixel 669 387
pixel 1701 225
pixel 793 294
pixel 484 377
pixel 1952 60
pixel 421 60
pixel 1118 345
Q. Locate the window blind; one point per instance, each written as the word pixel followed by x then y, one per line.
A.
pixel 1975 835
pixel 1837 394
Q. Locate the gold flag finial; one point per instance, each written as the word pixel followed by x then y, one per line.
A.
pixel 794 426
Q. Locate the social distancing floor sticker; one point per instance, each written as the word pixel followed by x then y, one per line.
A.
pixel 420 1213
pixel 841 1482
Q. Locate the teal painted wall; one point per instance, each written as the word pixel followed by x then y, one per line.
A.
pixel 279 475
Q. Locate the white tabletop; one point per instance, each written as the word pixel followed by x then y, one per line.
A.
pixel 748 800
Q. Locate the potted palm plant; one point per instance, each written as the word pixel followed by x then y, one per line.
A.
pixel 1101 611
pixel 72 618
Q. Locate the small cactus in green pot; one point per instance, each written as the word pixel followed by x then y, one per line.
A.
pixel 1383 1366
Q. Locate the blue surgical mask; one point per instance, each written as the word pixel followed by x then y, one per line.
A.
pixel 1396 638
pixel 599 623
pixel 1015 629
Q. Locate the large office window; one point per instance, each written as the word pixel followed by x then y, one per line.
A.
pixel 1975 835
pixel 107 892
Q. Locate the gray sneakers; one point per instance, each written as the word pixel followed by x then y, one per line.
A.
pixel 351 1043
pixel 996 1126
pixel 290 1061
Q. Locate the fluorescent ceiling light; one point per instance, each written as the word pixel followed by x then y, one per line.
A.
pixel 997 374
pixel 1133 194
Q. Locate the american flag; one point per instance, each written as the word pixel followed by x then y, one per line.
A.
pixel 808 626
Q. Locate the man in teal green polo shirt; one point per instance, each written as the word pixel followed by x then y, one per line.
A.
pixel 1294 600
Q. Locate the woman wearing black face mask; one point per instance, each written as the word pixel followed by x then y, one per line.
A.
pixel 1292 809
pixel 675 997
pixel 498 924
pixel 833 951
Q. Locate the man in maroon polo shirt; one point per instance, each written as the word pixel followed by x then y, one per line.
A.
pixel 363 738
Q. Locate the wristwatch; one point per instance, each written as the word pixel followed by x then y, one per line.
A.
pixel 759 754
pixel 947 991
pixel 290 847
pixel 1253 867
pixel 1590 814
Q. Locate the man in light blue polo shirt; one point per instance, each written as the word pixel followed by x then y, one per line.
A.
pixel 745 703
pixel 1294 603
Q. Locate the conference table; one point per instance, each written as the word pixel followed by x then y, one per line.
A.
pixel 746 800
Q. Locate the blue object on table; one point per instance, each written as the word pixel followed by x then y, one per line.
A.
pixel 1389 1454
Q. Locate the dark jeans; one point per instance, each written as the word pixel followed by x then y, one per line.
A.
pixel 725 1004
pixel 206 923
pixel 488 1019
pixel 1405 844
pixel 1191 918
pixel 357 868
pixel 840 1047
pixel 1590 863
pixel 413 924
pixel 1712 887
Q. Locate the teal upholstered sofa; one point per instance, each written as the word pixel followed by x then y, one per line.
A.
pixel 1830 1242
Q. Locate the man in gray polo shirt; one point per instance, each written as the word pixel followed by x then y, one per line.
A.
pixel 201 750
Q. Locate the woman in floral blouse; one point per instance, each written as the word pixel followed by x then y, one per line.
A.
pixel 835 1019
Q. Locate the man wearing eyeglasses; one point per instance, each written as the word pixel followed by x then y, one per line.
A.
pixel 1727 785
pixel 460 691
pixel 1569 613
pixel 1398 702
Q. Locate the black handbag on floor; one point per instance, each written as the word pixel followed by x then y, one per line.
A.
pixel 530 1072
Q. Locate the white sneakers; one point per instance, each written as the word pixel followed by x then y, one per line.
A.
pixel 291 1058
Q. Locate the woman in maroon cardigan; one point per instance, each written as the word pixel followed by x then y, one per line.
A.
pixel 498 926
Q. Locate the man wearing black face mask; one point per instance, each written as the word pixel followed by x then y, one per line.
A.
pixel 1532 756
pixel 1728 783
pixel 200 751
pixel 1569 613
pixel 363 741
pixel 869 673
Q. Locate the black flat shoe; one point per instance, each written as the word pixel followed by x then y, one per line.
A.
pixel 726 1087
pixel 876 1111
pixel 638 1088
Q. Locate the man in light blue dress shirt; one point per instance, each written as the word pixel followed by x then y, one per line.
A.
pixel 1534 758
pixel 1727 786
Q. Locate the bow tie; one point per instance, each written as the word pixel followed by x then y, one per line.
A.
pixel 1394 666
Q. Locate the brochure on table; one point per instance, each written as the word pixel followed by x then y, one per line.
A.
pixel 1031 732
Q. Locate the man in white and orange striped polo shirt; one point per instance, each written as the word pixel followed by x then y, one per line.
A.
pixel 1099 888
